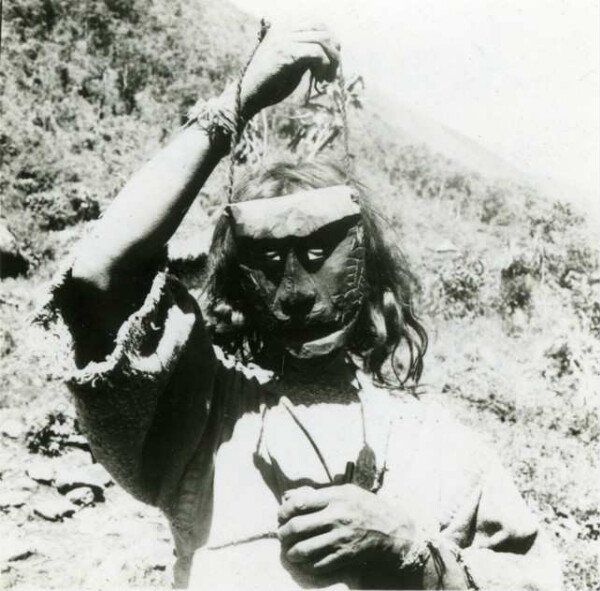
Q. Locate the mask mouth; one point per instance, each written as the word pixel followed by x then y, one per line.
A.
pixel 320 346
pixel 298 334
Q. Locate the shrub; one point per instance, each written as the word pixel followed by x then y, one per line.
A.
pixel 578 260
pixel 585 299
pixel 563 360
pixel 7 343
pixel 495 206
pixel 459 288
pixel 55 432
pixel 516 283
pixel 572 266
pixel 550 224
pixel 85 84
pixel 55 210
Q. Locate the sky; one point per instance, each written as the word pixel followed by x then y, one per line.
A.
pixel 521 77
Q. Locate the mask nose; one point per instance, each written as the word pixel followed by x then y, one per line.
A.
pixel 298 304
pixel 297 295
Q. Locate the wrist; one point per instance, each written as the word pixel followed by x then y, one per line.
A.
pixel 402 539
pixel 439 563
pixel 218 118
pixel 248 107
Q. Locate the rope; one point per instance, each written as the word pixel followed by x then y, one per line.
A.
pixel 235 137
pixel 288 406
pixel 269 535
pixel 345 133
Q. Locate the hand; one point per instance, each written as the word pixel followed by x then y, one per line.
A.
pixel 280 61
pixel 328 528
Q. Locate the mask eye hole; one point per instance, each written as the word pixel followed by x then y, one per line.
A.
pixel 272 256
pixel 314 255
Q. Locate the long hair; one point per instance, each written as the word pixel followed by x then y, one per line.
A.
pixel 386 324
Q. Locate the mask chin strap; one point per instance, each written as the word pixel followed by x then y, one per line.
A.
pixel 324 345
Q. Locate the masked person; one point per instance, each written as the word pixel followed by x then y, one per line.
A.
pixel 300 469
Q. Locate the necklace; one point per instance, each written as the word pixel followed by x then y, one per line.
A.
pixel 363 471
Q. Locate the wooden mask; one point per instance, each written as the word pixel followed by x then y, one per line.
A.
pixel 301 260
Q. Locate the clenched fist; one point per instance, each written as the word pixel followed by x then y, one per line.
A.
pixel 325 529
pixel 282 59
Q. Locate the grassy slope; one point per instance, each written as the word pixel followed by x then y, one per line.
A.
pixel 89 95
pixel 525 376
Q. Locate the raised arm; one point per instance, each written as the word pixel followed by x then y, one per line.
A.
pixel 111 262
pixel 132 346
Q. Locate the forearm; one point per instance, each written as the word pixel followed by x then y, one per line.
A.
pixel 444 568
pixel 449 567
pixel 538 569
pixel 149 209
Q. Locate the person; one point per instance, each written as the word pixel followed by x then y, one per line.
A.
pixel 272 428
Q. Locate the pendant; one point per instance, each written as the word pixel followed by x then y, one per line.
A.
pixel 365 471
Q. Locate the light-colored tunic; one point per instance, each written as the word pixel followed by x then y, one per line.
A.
pixel 181 427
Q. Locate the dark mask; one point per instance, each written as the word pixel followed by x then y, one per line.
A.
pixel 301 261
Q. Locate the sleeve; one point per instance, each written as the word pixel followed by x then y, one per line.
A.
pixel 145 406
pixel 502 544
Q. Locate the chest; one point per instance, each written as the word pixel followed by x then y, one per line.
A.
pixel 267 453
pixel 273 450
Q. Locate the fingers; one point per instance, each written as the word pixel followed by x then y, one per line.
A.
pixel 303 526
pixel 317 45
pixel 318 548
pixel 331 47
pixel 320 35
pixel 327 66
pixel 281 60
pixel 329 42
pixel 314 57
pixel 302 500
pixel 332 561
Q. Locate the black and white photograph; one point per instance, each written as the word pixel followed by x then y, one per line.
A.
pixel 299 295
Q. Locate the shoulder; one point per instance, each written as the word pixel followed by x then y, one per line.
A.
pixel 149 341
pixel 425 429
pixel 446 462
pixel 441 432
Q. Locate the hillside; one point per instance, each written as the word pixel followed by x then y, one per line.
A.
pixel 509 278
pixel 411 127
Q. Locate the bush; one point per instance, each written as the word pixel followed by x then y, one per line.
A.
pixel 459 288
pixel 55 210
pixel 55 432
pixel 564 362
pixel 585 299
pixel 552 223
pixel 501 203
pixel 85 84
pixel 579 260
pixel 7 343
pixel 516 285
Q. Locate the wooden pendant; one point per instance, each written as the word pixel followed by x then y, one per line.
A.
pixel 365 471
